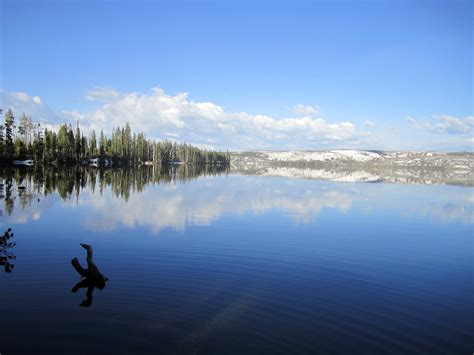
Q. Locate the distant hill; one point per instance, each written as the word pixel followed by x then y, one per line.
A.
pixel 360 165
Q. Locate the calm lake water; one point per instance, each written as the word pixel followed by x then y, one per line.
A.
pixel 220 263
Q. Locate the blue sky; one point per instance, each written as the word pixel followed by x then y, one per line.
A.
pixel 257 74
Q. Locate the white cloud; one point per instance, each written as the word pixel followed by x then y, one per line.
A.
pixel 306 110
pixel 445 124
pixel 208 125
pixel 20 96
pixel 451 124
pixel 100 94
pixel 161 116
pixel 20 102
pixel 369 124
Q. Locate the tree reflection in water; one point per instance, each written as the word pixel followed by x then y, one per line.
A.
pixel 25 186
pixel 6 256
pixel 33 183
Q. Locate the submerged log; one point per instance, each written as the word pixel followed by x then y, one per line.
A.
pixel 92 270
pixel 93 278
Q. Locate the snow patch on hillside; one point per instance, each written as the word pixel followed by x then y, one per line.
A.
pixel 331 155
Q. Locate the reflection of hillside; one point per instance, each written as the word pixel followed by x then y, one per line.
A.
pixel 351 173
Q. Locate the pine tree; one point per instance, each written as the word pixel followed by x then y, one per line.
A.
pixel 78 142
pixel 92 144
pixel 2 141
pixel 9 126
pixel 38 145
pixel 84 146
pixel 71 144
pixel 127 139
pixel 63 142
pixel 124 147
pixel 102 145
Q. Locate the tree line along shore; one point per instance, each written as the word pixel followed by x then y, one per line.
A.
pixel 28 142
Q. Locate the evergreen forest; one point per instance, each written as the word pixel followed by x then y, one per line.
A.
pixel 23 139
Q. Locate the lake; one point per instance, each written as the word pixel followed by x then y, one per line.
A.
pixel 212 262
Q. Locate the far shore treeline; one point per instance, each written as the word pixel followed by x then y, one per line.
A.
pixel 27 140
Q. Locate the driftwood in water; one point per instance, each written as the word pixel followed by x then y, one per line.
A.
pixel 6 256
pixel 93 277
pixel 92 271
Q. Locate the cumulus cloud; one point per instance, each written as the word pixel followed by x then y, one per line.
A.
pixel 20 102
pixel 451 124
pixel 101 94
pixel 306 110
pixel 369 124
pixel 162 116
pixel 445 124
pixel 208 125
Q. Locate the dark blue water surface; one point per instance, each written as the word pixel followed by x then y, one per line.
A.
pixel 230 264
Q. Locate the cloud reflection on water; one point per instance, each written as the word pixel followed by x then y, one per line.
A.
pixel 201 202
pixel 204 200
